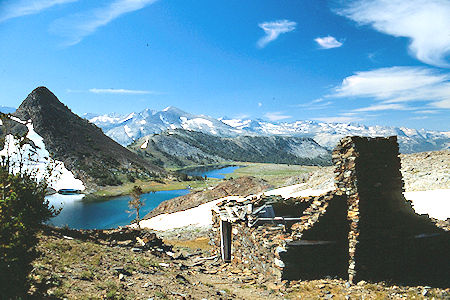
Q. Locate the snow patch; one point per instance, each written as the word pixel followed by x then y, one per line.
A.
pixel 297 190
pixel 199 216
pixel 40 160
pixel 435 203
pixel 145 144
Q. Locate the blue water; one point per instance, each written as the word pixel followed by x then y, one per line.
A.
pixel 103 213
pixel 212 173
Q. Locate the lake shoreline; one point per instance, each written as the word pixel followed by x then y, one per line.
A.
pixel 149 186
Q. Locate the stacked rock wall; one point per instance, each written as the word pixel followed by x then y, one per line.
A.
pixel 365 229
pixel 382 239
pixel 271 249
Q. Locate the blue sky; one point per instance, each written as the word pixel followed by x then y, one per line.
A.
pixel 384 62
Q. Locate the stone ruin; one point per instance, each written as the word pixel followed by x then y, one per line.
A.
pixel 363 230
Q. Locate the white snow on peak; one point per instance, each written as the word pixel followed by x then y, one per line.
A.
pixel 105 119
pixel 167 108
pixel 60 178
pixel 128 131
pixel 236 123
pixel 130 116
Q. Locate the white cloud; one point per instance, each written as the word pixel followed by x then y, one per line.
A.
pixel 442 104
pixel 120 91
pixel 78 26
pixel 328 42
pixel 260 104
pixel 397 85
pixel 19 8
pixel 425 22
pixel 274 29
pixel 379 107
pixel 276 116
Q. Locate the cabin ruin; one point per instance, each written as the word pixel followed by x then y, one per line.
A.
pixel 363 230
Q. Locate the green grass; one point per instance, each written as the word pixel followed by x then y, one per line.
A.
pixel 148 186
pixel 275 174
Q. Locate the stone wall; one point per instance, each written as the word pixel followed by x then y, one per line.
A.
pixel 271 249
pixel 365 229
pixel 383 225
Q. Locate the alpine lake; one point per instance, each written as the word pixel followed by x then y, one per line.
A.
pixel 80 213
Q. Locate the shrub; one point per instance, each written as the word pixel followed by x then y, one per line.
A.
pixel 23 209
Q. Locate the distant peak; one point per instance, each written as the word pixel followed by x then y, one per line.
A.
pixel 173 109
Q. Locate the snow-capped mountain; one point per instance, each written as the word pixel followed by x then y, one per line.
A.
pixel 131 127
pixel 328 134
pixel 126 129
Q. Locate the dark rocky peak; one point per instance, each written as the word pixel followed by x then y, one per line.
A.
pixel 41 101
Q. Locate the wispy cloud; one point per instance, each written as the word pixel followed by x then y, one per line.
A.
pixel 338 119
pixel 121 91
pixel 274 29
pixel 398 85
pixel 316 104
pixel 328 42
pixel 380 107
pixel 425 22
pixel 78 26
pixel 426 111
pixel 276 116
pixel 19 8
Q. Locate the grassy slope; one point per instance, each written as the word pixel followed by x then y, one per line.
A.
pixel 275 174
pixel 149 186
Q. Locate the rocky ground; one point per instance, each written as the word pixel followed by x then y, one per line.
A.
pixel 77 265
pixel 421 171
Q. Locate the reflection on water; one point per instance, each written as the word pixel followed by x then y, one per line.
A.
pixel 103 213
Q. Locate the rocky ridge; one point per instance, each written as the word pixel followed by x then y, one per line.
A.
pixel 181 147
pixel 83 148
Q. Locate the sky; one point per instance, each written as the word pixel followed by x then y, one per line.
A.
pixel 372 62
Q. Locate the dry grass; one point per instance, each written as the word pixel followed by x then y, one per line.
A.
pixel 201 243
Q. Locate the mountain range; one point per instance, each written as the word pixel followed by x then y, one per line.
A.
pixel 125 129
